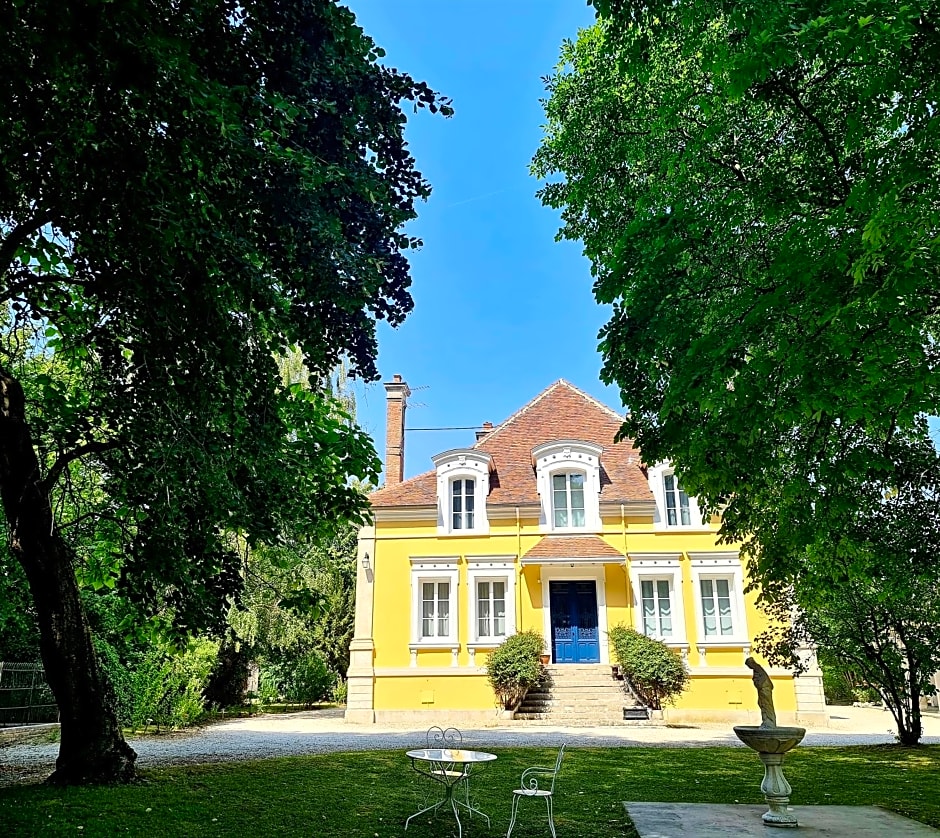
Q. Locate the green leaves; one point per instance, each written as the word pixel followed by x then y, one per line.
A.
pixel 233 184
pixel 756 189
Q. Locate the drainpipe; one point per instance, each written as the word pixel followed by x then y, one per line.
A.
pixel 626 558
pixel 519 580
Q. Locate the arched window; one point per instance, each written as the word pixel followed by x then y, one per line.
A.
pixel 463 482
pixel 567 473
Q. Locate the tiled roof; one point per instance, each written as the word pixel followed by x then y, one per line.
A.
pixel 572 547
pixel 560 412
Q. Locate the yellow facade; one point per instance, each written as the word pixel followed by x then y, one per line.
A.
pixel 433 683
pixel 397 675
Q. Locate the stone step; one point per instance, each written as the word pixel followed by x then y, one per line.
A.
pixel 580 695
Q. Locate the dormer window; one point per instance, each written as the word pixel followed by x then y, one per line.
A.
pixel 568 476
pixel 677 502
pixel 462 495
pixel 463 482
pixel 568 499
pixel 674 508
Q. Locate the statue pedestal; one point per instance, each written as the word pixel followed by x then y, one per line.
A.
pixel 776 791
pixel 771 743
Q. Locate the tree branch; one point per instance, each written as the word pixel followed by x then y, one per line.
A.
pixel 19 235
pixel 70 456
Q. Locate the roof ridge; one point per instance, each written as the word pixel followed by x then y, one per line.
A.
pixel 560 382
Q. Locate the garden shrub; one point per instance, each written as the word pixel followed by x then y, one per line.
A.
pixel 867 694
pixel 838 686
pixel 158 687
pixel 304 679
pixel 656 673
pixel 269 690
pixel 340 691
pixel 309 681
pixel 514 668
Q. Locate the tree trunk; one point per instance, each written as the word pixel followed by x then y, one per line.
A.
pixel 92 748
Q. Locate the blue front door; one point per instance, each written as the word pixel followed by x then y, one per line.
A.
pixel 573 607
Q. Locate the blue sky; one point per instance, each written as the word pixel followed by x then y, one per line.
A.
pixel 501 309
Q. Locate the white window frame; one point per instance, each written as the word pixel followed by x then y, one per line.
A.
pixel 720 565
pixel 434 569
pixel 567 456
pixel 677 493
pixel 464 495
pixel 490 569
pixel 569 509
pixel 654 582
pixel 462 464
pixel 656 476
pixel 658 566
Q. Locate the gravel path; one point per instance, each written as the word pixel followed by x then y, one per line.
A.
pixel 324 731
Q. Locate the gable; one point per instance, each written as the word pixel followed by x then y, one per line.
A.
pixel 560 412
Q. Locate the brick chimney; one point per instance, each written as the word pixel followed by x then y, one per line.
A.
pixel 485 431
pixel 397 393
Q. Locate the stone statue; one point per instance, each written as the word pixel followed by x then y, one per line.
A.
pixel 765 688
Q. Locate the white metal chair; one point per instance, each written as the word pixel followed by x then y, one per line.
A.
pixel 539 783
pixel 440 738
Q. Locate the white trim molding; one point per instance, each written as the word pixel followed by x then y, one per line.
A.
pixel 652 566
pixel 489 568
pixel 434 569
pixel 568 456
pixel 720 565
pixel 462 464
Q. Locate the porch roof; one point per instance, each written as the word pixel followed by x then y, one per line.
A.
pixel 554 548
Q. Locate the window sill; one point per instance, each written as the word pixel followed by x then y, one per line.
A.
pixel 435 645
pixel 585 530
pixel 724 642
pixel 703 528
pixel 462 533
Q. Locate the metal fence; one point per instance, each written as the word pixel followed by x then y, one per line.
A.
pixel 25 697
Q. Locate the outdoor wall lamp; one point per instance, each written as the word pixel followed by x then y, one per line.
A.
pixel 366 565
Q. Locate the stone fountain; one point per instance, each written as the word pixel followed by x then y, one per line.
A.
pixel 771 743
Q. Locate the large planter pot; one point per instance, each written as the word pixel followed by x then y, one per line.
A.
pixel 545 659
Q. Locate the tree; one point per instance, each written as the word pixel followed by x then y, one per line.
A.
pixel 299 598
pixel 185 193
pixel 867 589
pixel 756 185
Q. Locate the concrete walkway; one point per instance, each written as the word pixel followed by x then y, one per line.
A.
pixel 714 820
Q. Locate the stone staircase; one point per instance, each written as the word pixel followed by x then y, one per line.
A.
pixel 579 695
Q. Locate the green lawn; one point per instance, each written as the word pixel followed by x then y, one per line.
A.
pixel 364 795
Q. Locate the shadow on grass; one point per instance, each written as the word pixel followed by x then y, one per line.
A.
pixel 369 794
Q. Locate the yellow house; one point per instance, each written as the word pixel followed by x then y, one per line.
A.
pixel 545 523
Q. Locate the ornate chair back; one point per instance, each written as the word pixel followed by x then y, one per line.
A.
pixel 438 737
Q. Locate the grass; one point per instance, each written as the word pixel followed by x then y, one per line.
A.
pixel 364 795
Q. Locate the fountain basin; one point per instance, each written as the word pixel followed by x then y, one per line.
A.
pixel 770 740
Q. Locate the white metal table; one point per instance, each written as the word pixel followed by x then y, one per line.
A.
pixel 450 767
